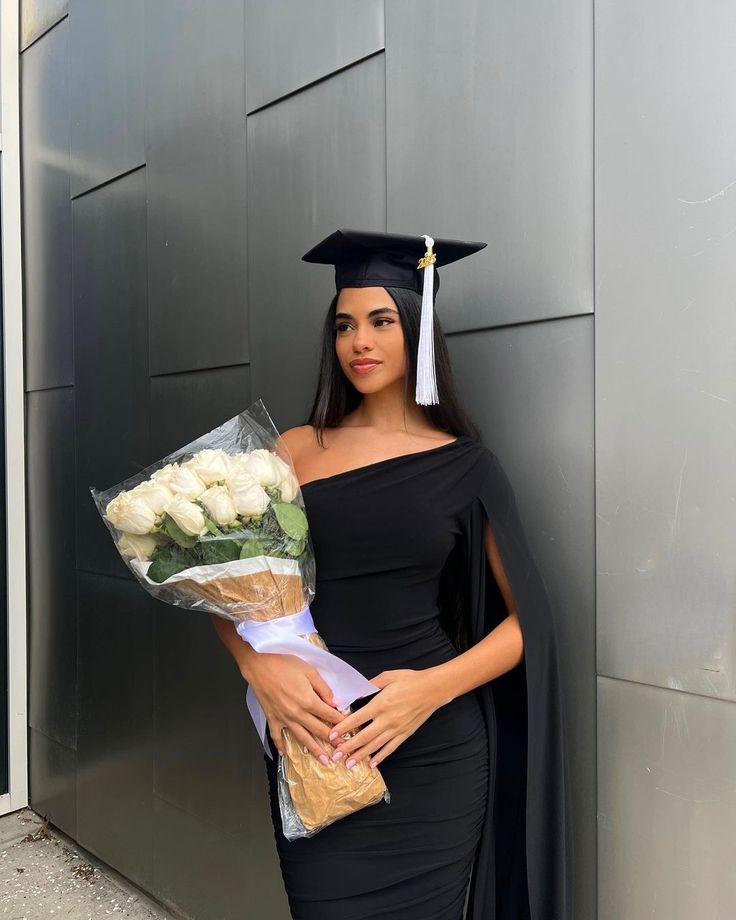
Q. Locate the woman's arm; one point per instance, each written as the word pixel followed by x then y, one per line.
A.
pixel 293 694
pixel 496 653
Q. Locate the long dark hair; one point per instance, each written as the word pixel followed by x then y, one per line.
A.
pixel 336 396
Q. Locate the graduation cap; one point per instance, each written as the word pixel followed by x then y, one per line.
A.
pixel 365 258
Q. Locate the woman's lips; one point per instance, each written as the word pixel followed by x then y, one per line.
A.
pixel 365 368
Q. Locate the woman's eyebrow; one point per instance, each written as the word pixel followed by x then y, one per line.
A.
pixel 372 313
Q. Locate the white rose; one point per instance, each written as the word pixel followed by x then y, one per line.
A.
pixel 219 503
pixel 283 467
pixel 248 496
pixel 155 493
pixel 264 465
pixel 130 513
pixel 165 473
pixel 187 515
pixel 288 486
pixel 288 483
pixel 138 546
pixel 210 465
pixel 186 483
pixel 237 463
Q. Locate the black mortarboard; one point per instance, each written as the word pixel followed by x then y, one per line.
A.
pixel 364 258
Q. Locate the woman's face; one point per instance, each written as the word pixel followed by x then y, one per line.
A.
pixel 368 328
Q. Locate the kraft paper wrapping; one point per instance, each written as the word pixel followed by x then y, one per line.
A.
pixel 320 794
pixel 267 594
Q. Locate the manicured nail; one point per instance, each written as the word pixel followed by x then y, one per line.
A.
pixel 333 735
pixel 337 755
pixel 374 763
pixel 350 763
pixel 323 759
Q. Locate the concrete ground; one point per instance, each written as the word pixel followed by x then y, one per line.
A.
pixel 45 875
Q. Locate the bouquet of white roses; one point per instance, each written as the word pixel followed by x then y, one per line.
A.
pixel 219 525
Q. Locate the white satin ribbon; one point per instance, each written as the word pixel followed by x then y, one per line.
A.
pixel 283 635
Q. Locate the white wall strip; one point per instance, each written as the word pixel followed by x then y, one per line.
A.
pixel 15 491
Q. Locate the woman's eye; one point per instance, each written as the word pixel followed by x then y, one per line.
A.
pixel 339 326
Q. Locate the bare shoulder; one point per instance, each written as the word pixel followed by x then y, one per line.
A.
pixel 299 439
pixel 305 452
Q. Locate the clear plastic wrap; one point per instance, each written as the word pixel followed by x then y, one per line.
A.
pixel 219 525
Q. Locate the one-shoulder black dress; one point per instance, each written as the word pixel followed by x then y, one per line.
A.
pixel 382 535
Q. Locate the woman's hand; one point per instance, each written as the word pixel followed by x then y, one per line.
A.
pixel 294 695
pixel 407 699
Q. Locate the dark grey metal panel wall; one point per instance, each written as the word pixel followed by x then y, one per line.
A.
pixel 53 634
pixel 106 76
pixel 666 442
pixel 667 808
pixel 316 161
pixel 489 136
pixel 211 397
pixel 165 167
pixel 195 166
pixel 52 775
pixel 290 43
pixel 140 744
pixel 528 386
pixel 50 432
pixel 110 353
pixel 38 16
pixel 660 547
pixel 115 766
pixel 48 341
pixel 52 604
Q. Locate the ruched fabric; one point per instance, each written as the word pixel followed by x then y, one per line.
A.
pixel 383 535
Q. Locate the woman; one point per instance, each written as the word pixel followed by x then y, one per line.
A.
pixel 426 585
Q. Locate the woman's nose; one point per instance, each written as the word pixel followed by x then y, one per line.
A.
pixel 362 338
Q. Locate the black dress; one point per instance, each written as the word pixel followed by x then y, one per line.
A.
pixel 383 536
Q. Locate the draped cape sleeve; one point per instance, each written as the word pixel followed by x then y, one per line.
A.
pixel 523 864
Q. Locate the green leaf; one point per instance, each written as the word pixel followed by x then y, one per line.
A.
pixel 172 529
pixel 169 560
pixel 162 569
pixel 295 547
pixel 252 548
pixel 291 518
pixel 209 523
pixel 239 533
pixel 214 551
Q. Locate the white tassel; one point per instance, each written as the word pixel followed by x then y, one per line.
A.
pixel 426 390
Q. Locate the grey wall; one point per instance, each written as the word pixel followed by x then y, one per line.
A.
pixel 178 158
pixel 135 241
pixel 665 446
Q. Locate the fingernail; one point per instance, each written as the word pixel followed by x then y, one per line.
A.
pixel 333 735
pixel 373 763
pixel 323 759
pixel 350 763
pixel 337 755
